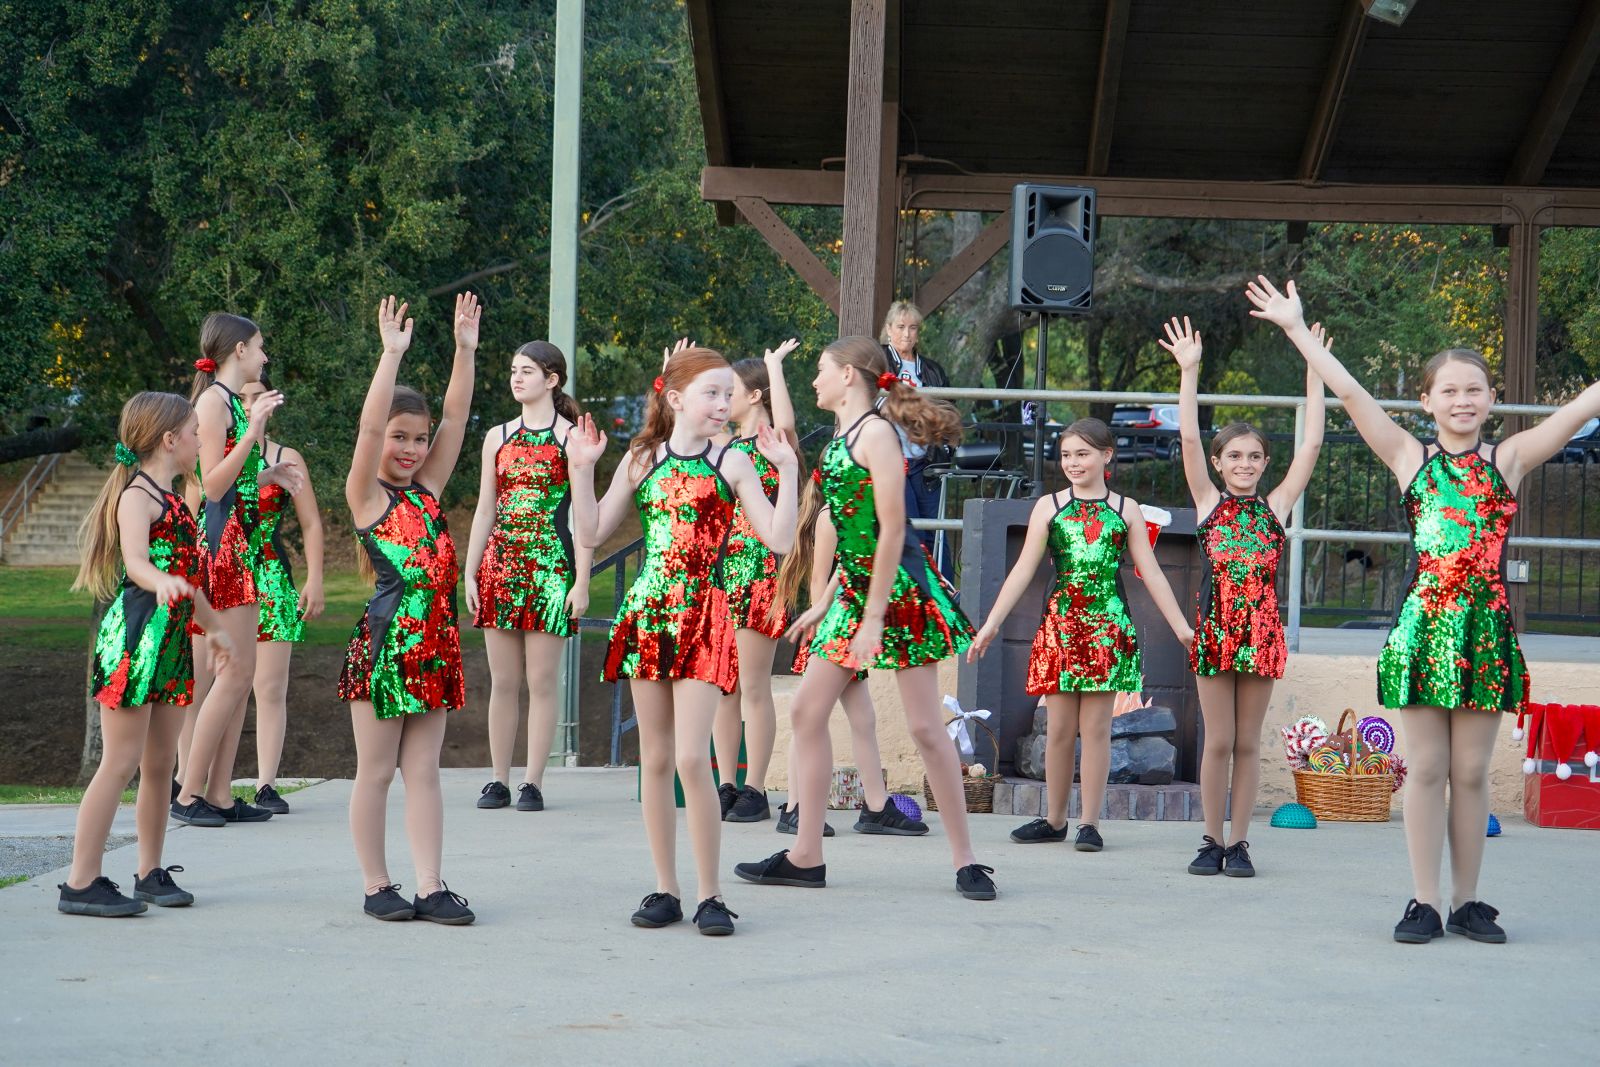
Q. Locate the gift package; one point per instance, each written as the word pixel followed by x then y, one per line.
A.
pixel 1562 765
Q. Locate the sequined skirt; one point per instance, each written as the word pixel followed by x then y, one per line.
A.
pixel 1084 652
pixel 673 636
pixel 231 569
pixel 1459 651
pixel 921 625
pixel 142 652
pixel 278 601
pixel 414 668
pixel 516 591
pixel 1247 639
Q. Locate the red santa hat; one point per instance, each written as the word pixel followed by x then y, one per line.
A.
pixel 1591 734
pixel 1565 723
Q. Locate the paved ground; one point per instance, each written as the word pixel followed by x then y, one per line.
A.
pixel 1119 957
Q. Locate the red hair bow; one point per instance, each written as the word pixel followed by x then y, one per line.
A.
pixel 887 379
pixel 660 383
pixel 816 475
pixel 205 365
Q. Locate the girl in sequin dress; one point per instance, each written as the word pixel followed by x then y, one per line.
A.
pixel 1452 664
pixel 142 674
pixel 1239 646
pixel 402 671
pixel 1086 650
pixel 284 611
pixel 673 636
pixel 887 606
pixel 232 473
pixel 527 578
pixel 761 398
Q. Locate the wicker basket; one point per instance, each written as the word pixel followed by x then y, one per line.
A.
pixel 1344 796
pixel 979 791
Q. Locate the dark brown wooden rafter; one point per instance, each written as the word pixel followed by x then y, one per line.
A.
pixel 1561 93
pixel 708 86
pixel 791 249
pixel 1325 119
pixel 1113 45
pixel 964 264
pixel 888 165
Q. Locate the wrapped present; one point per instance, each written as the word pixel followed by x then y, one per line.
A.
pixel 1562 788
pixel 845 792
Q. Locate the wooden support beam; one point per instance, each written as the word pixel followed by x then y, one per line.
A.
pixel 1113 43
pixel 964 264
pixel 1567 81
pixel 1522 320
pixel 1325 119
pixel 863 169
pixel 708 86
pixel 888 249
pixel 791 249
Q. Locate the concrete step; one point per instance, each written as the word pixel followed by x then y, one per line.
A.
pixel 1175 802
pixel 40 557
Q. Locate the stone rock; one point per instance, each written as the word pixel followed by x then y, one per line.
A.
pixel 1143 760
pixel 1145 722
pixel 1138 755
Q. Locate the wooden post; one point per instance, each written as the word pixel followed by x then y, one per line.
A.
pixel 1522 332
pixel 888 169
pixel 863 170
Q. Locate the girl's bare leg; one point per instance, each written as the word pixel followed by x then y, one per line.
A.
pixel 755 698
pixel 1427 732
pixel 272 707
pixel 652 707
pixel 505 648
pixel 1094 727
pixel 154 805
pixel 542 655
pixel 919 693
pixel 1472 735
pixel 377 756
pixel 1218 696
pixel 694 706
pixel 1253 696
pixel 224 705
pixel 863 719
pixel 819 690
pixel 421 738
pixel 1060 750
pixel 122 732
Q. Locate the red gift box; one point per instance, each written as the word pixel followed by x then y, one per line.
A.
pixel 1562 734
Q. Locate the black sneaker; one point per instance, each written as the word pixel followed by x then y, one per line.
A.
pixel 443 906
pixel 789 822
pixel 1209 859
pixel 242 812
pixel 1088 839
pixel 974 883
pixel 1420 925
pixel 1236 862
pixel 1038 831
pixel 387 904
pixel 727 793
pixel 100 897
pixel 159 889
pixel 528 798
pixel 750 806
pixel 494 795
pixel 891 820
pixel 267 799
pixel 713 917
pixel 777 870
pixel 1475 919
pixel 658 910
pixel 198 812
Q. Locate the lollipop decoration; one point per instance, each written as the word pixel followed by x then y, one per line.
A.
pixel 1326 760
pixel 1302 736
pixel 1373 763
pixel 1376 732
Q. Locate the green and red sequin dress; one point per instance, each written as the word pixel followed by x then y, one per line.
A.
pixel 750 569
pixel 674 622
pixel 405 653
pixel 278 599
pixel 1086 641
pixel 142 653
pixel 528 564
pixel 231 524
pixel 922 623
pixel 1238 628
pixel 1453 644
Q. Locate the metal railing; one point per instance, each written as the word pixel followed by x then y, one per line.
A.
pixel 1298 533
pixel 16 506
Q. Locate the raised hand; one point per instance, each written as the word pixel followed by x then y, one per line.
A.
pixel 468 314
pixel 1183 341
pixel 776 448
pixel 1322 336
pixel 393 326
pixel 287 474
pixel 1281 309
pixel 585 443
pixel 775 355
pixel 262 407
pixel 668 353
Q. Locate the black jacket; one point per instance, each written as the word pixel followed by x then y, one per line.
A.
pixel 933 373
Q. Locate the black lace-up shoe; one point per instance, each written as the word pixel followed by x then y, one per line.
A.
pixel 494 795
pixel 789 822
pixel 891 820
pixel 267 799
pixel 159 889
pixel 242 812
pixel 750 805
pixel 529 798
pixel 1419 926
pixel 713 917
pixel 974 883
pixel 199 812
pixel 1088 839
pixel 444 907
pixel 1475 919
pixel 727 794
pixel 387 904
pixel 777 870
pixel 658 910
pixel 100 897
pixel 1236 861
pixel 1037 832
pixel 1209 858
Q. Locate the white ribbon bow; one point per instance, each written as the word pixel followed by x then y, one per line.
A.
pixel 957 727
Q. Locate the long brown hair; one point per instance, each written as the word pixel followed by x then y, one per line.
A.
pixel 683 368
pixel 146 419
pixel 551 361
pixel 220 335
pixel 753 376
pixel 1470 356
pixel 796 566
pixel 925 421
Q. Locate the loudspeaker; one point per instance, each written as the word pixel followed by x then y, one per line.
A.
pixel 1052 248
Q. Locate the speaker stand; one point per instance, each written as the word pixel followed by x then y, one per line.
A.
pixel 1040 412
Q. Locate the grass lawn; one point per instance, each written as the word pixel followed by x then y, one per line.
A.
pixel 12 879
pixel 73 794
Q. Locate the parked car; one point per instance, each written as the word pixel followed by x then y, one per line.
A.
pixel 1146 431
pixel 1584 446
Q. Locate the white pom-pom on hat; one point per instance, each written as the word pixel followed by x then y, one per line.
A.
pixel 1528 766
pixel 1517 733
pixel 1590 758
pixel 1563 771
